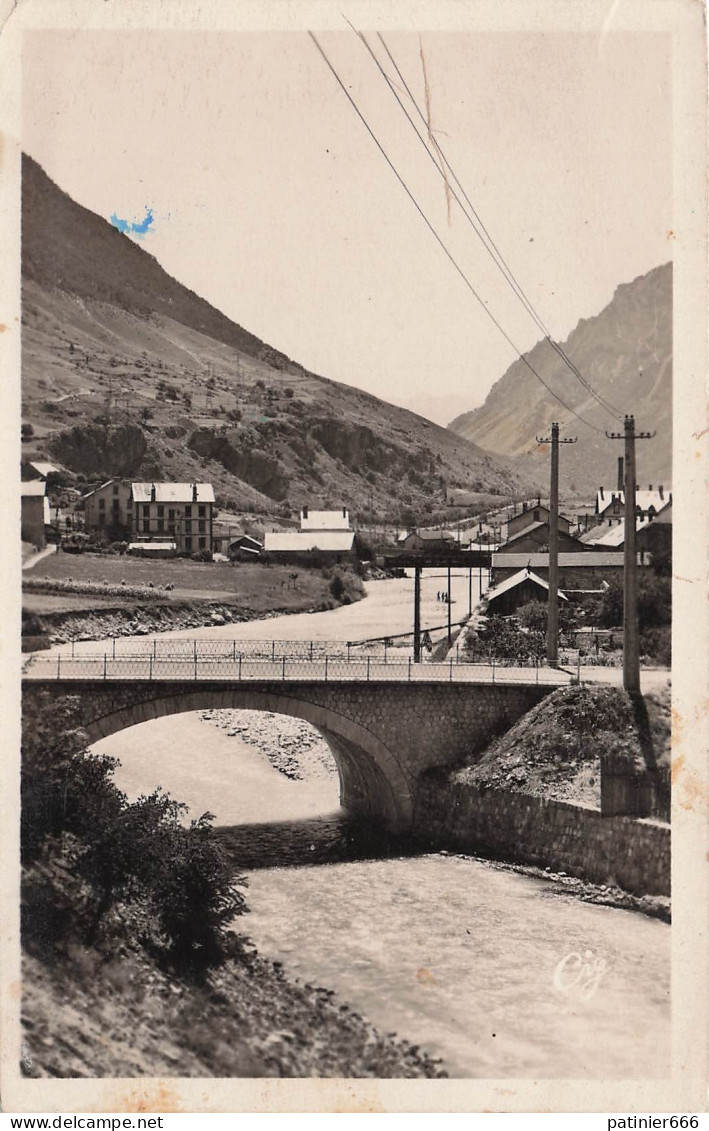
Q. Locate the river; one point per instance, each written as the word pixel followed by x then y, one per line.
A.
pixel 387 609
pixel 456 955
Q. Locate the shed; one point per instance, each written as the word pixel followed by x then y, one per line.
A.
pixel 517 590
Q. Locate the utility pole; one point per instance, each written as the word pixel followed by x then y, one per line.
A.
pixel 448 602
pixel 553 609
pixel 631 643
pixel 417 614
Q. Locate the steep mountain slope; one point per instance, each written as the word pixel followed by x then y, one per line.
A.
pixel 126 371
pixel 632 334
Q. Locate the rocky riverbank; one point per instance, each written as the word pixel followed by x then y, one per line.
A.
pixel 292 746
pixel 91 1016
pixel 562 885
pixel 141 620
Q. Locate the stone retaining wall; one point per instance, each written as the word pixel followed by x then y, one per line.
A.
pixel 633 854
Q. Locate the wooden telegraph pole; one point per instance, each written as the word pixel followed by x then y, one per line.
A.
pixel 631 643
pixel 553 611
pixel 417 614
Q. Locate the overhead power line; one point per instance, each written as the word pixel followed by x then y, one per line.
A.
pixel 434 151
pixel 442 245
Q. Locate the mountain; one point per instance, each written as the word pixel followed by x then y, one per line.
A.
pixel 125 371
pixel 625 353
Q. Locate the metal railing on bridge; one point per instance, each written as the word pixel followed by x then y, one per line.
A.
pixel 282 661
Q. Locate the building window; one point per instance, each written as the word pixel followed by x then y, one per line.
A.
pixel 102 504
pixel 188 543
pixel 188 510
pixel 202 512
pixel 171 528
pixel 116 504
pixel 101 519
pixel 188 526
pixel 202 526
pixel 161 524
pixel 146 510
pixel 146 525
pixel 115 488
pixel 536 516
pixel 161 512
pixel 202 543
pixel 171 514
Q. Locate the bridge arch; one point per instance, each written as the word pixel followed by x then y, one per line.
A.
pixel 372 782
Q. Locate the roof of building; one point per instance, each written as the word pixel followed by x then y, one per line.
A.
pixel 302 541
pixel 246 550
pixel 504 560
pixel 96 489
pixel 591 536
pixel 615 535
pixel 43 469
pixel 173 492
pixel 643 499
pixel 529 529
pixel 517 579
pixel 432 535
pixel 240 539
pixel 325 520
pixel 36 487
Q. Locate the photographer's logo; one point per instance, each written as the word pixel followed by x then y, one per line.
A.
pixel 578 975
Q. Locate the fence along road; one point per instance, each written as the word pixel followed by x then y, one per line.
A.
pixel 283 661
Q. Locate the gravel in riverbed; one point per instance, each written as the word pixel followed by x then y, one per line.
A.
pixel 292 746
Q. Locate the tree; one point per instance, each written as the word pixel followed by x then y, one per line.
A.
pixel 26 432
pixel 88 852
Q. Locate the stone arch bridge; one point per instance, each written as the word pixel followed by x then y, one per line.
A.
pixel 383 735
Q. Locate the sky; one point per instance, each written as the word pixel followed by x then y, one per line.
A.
pixel 236 160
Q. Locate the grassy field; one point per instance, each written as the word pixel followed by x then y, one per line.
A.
pixel 259 588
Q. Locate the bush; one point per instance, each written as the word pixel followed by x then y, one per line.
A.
pixel 345 586
pixel 656 645
pixel 503 639
pixel 202 556
pixel 26 432
pixel 337 587
pixel 654 602
pixel 535 614
pixel 76 543
pixel 97 866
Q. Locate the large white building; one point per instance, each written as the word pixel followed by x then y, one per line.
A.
pixel 179 513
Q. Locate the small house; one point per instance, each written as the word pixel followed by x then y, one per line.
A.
pixel 244 547
pixel 533 515
pixel 428 540
pixel 518 589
